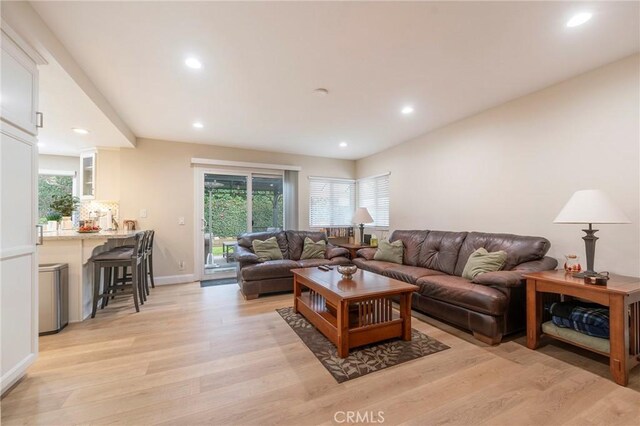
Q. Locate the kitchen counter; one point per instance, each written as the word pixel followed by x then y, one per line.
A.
pixel 76 249
pixel 72 234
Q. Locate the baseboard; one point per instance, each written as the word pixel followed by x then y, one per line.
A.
pixel 174 279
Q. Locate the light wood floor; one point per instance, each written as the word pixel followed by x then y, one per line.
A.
pixel 203 355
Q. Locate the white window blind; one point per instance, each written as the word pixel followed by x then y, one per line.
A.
pixel 331 201
pixel 373 193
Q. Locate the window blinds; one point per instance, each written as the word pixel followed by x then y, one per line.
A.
pixel 373 193
pixel 331 201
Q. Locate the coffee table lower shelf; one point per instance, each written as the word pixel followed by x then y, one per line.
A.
pixel 367 323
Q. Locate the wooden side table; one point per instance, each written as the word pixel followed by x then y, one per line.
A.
pixel 621 295
pixel 353 248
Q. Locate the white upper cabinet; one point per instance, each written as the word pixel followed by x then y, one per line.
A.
pixel 19 95
pixel 88 175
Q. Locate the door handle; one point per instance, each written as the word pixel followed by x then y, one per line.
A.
pixel 39 120
pixel 40 235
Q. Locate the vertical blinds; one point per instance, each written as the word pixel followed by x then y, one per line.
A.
pixel 373 193
pixel 331 201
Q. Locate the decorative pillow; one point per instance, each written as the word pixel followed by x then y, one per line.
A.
pixel 313 250
pixel 390 252
pixel 267 249
pixel 481 261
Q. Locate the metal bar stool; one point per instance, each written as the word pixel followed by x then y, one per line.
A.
pixel 109 262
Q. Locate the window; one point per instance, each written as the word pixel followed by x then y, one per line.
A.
pixel 51 183
pixel 331 201
pixel 373 193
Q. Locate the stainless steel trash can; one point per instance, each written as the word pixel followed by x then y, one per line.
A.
pixel 53 283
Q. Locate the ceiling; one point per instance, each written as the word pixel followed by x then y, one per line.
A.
pixel 261 62
pixel 66 106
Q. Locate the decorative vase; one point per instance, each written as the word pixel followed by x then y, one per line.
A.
pixel 52 225
pixel 347 271
pixel 67 223
pixel 572 263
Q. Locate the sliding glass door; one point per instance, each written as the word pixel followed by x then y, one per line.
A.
pixel 231 204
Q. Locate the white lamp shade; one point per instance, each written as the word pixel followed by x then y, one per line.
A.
pixel 591 206
pixel 362 215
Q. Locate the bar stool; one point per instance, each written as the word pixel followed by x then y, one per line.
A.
pixel 149 257
pixel 109 262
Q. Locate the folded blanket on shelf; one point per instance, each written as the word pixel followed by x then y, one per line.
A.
pixel 590 319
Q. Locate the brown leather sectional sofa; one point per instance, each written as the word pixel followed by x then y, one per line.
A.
pixel 272 276
pixel 492 306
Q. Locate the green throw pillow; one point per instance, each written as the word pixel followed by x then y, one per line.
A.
pixel 313 250
pixel 267 249
pixel 482 261
pixel 389 252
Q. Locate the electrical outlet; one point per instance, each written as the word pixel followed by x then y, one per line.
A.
pixel 181 265
pixel 143 212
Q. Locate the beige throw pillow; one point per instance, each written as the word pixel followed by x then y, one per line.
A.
pixel 267 249
pixel 313 250
pixel 481 261
pixel 390 252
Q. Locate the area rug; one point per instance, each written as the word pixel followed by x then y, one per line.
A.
pixel 219 281
pixel 363 360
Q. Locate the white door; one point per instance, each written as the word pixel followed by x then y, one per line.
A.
pixel 18 177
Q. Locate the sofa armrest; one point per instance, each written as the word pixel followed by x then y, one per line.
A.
pixel 333 251
pixel 245 256
pixel 499 278
pixel 367 253
pixel 545 264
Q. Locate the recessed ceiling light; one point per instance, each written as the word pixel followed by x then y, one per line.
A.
pixel 579 19
pixel 198 125
pixel 343 144
pixel 320 92
pixel 193 63
pixel 80 131
pixel 407 110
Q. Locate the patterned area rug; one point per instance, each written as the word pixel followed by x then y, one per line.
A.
pixel 363 360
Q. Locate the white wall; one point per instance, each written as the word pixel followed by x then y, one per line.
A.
pixel 157 176
pixel 512 168
pixel 59 162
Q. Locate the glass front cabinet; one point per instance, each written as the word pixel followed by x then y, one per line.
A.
pixel 88 175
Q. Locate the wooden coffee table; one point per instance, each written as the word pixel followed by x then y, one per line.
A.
pixel 352 313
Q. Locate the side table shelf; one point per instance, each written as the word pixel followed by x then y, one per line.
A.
pixel 621 295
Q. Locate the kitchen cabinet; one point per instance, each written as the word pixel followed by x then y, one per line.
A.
pixel 19 86
pixel 18 208
pixel 88 175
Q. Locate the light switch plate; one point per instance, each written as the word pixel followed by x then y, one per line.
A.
pixel 143 212
pixel 181 220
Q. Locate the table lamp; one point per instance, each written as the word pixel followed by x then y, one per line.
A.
pixel 361 216
pixel 590 206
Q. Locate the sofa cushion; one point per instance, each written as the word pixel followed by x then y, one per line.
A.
pixel 269 270
pixel 295 240
pixel 519 248
pixel 267 249
pixel 390 252
pixel 462 292
pixel 412 241
pixel 313 250
pixel 246 239
pixel 482 261
pixel 440 250
pixel 376 266
pixel 408 273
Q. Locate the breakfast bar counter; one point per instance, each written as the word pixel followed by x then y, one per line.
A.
pixel 75 249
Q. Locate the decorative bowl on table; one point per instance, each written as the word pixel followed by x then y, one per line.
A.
pixel 347 271
pixel 88 229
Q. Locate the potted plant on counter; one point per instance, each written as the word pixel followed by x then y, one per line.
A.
pixel 53 219
pixel 65 204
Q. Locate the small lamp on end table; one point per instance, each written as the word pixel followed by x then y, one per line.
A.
pixel 361 216
pixel 590 206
